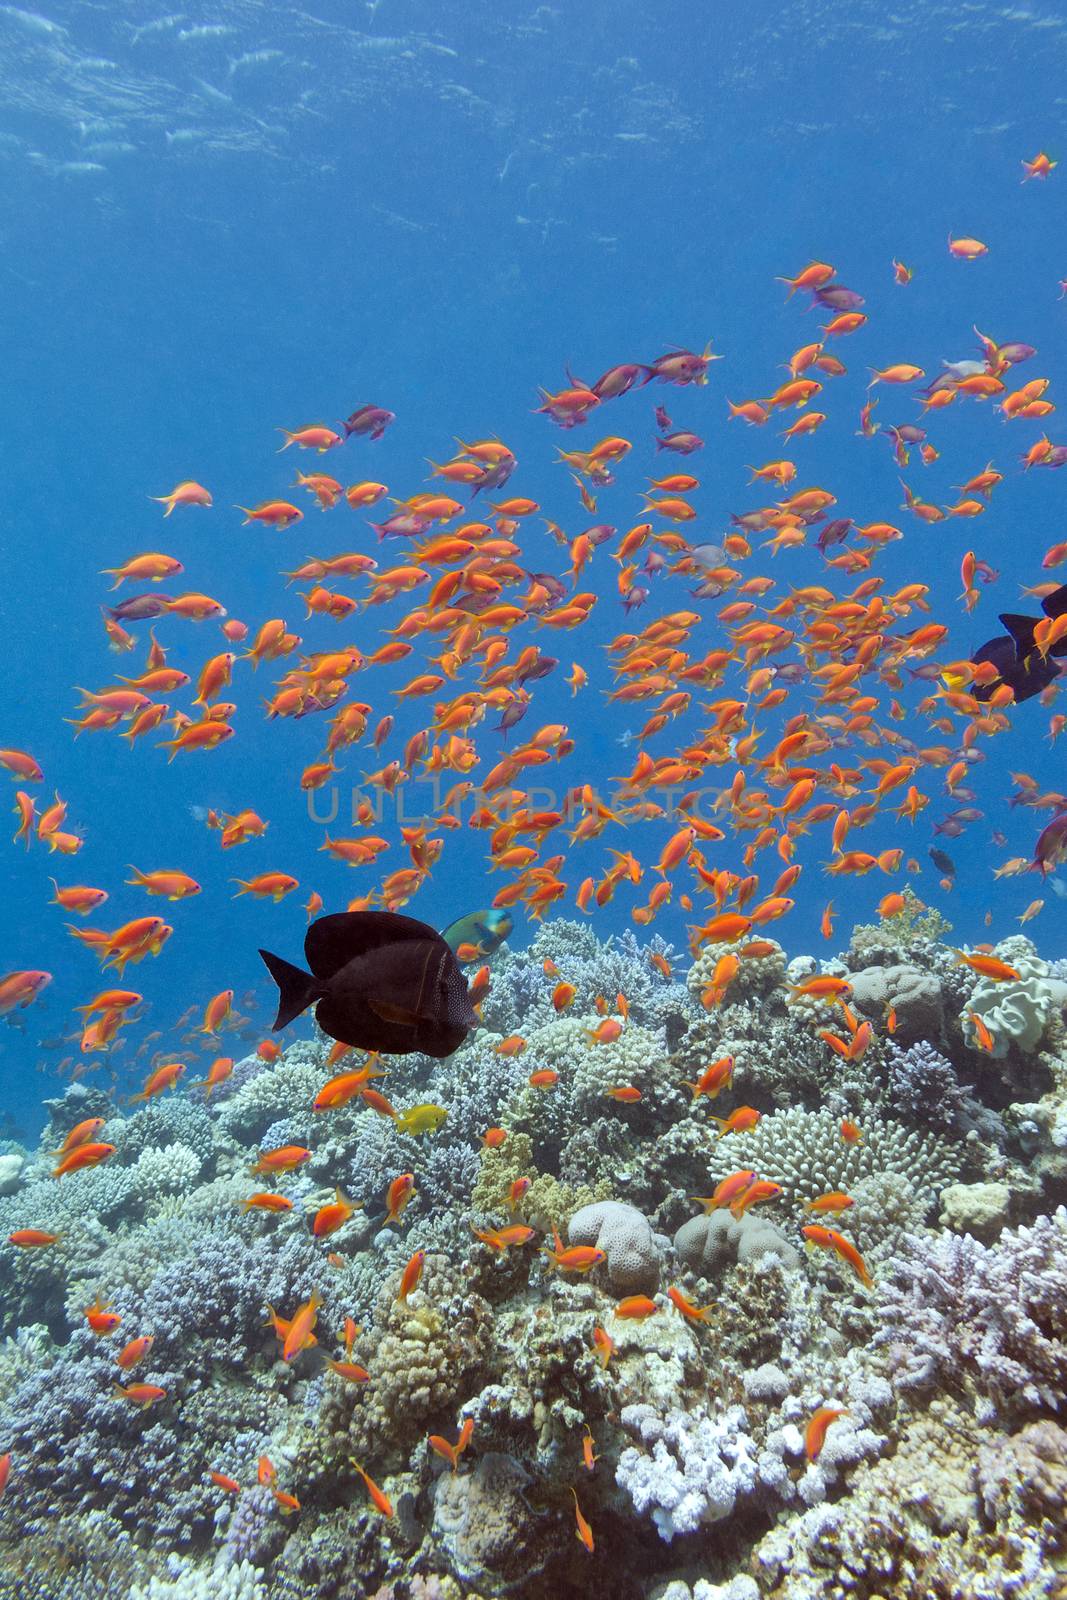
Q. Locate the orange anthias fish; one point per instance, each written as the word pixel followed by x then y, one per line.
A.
pixel 755 1194
pixel 828 1239
pixel 379 1500
pixel 100 1320
pixel 690 1311
pixel 144 1395
pixel 726 1192
pixel 284 1159
pixel 412 1273
pixel 452 1452
pixel 301 1329
pixel 573 1258
pixel 713 1079
pixel 636 1307
pixel 815 1432
pixel 89 1154
pixel 135 1351
pixel 397 1196
pixel 583 1531
pixel 329 1218
pixel 186 494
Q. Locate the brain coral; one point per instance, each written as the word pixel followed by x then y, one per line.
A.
pixel 626 1237
pixel 485 1523
pixel 707 1243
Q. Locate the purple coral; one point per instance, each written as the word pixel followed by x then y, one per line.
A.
pixel 994 1316
pixel 921 1085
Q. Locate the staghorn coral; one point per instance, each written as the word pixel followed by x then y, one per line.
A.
pixel 1022 1477
pixel 911 1524
pixel 188 1581
pixel 920 1085
pixel 286 1089
pixel 29 1347
pixel 170 1169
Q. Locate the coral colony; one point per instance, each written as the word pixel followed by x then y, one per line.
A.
pixel 771 1322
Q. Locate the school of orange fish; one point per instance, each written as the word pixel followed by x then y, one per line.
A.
pixel 473 617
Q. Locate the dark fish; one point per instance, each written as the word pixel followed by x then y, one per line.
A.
pixel 599 532
pixel 539 667
pixel 683 443
pixel 710 589
pixel 663 421
pixel 944 863
pixel 910 433
pixel 378 981
pixel 837 298
pixel 679 366
pixel 513 713
pixel 634 597
pixel 474 603
pixel 834 532
pixel 138 608
pixel 369 420
pixel 1026 679
pixel 1014 656
pixel 549 581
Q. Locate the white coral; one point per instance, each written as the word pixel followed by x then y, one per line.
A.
pixel 241 1581
pixel 695 1470
pixel 166 1169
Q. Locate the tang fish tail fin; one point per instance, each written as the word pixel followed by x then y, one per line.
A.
pixel 296 989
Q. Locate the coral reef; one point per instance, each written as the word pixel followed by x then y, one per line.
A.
pixel 677 1421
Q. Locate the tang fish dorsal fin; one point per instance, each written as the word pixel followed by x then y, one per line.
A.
pixel 332 942
pixel 1021 629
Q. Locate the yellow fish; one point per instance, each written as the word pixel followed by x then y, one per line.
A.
pixel 421 1119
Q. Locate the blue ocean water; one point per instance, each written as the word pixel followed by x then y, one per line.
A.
pixel 216 225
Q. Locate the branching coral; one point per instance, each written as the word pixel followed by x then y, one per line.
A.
pixel 804 1152
pixel 992 1318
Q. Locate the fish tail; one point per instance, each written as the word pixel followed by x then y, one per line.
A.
pixel 296 988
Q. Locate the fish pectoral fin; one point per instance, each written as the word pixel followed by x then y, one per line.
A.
pixel 388 1012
